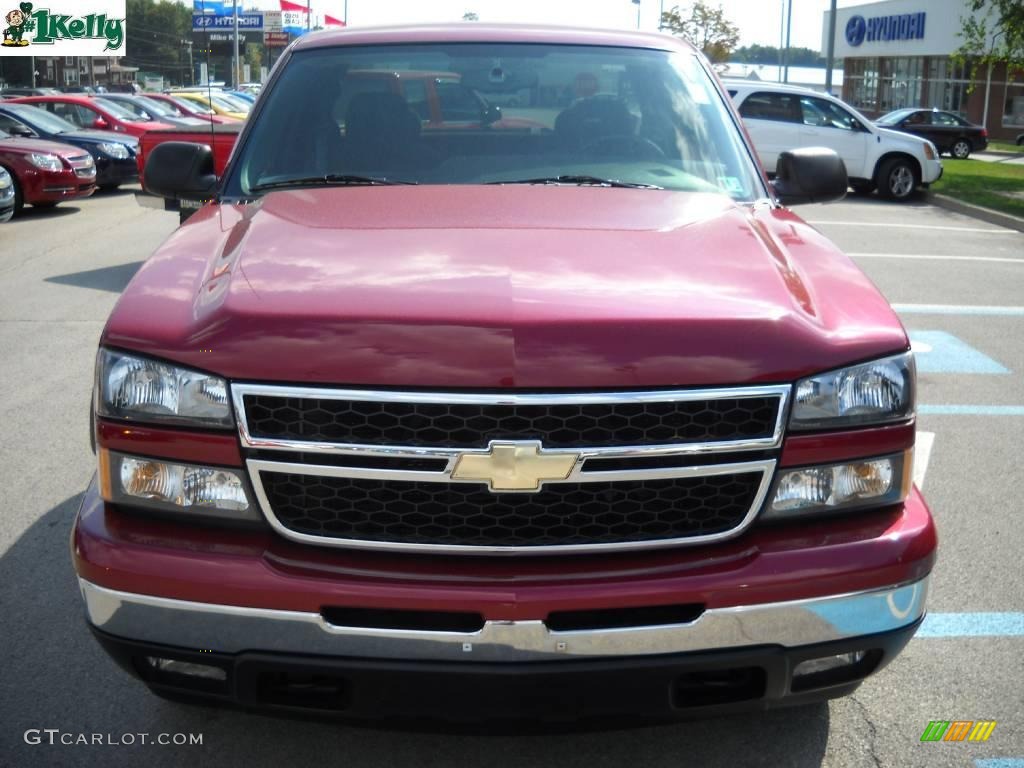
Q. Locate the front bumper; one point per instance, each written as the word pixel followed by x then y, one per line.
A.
pixel 233 629
pixel 110 172
pixel 264 611
pixel 57 187
pixel 623 690
pixel 931 171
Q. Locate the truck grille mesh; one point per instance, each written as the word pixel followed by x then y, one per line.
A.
pixel 470 515
pixel 472 426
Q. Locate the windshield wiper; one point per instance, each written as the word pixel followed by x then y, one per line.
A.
pixel 581 180
pixel 331 179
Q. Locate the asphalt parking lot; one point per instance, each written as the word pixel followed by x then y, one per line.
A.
pixel 957 282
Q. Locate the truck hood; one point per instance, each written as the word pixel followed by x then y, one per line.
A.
pixel 502 286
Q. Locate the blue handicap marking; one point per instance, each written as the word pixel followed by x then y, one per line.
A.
pixel 940 352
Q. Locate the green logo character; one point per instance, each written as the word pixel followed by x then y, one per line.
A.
pixel 20 21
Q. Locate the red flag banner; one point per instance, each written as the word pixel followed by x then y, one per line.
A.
pixel 294 7
pixel 330 21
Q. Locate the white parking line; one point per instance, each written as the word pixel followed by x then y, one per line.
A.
pixel 958 309
pixel 922 453
pixel 934 256
pixel 975 230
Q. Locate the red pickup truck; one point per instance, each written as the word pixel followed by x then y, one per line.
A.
pixel 574 421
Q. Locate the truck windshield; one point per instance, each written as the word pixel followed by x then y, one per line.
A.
pixel 491 114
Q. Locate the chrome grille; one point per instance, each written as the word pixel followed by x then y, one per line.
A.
pixel 473 425
pixel 84 165
pixel 377 469
pixel 462 514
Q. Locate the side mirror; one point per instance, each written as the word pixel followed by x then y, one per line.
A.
pixel 21 130
pixel 100 124
pixel 810 175
pixel 181 170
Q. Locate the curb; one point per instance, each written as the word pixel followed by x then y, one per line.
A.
pixel 978 212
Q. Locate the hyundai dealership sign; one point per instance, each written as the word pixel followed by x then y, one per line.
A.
pixel 905 26
pixel 898 28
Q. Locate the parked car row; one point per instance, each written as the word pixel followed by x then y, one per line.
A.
pixel 56 147
pixel 113 153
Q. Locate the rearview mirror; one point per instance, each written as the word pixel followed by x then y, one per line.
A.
pixel 810 175
pixel 491 114
pixel 181 170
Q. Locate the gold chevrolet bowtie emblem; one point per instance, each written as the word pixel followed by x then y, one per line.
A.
pixel 514 466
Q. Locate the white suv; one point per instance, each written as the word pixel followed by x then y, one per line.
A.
pixel 780 117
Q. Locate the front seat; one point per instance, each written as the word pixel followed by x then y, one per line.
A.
pixel 383 134
pixel 594 118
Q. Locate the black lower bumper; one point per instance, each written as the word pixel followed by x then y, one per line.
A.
pixel 636 688
pixel 110 173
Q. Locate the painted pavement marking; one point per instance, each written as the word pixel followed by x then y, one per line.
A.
pixel 941 352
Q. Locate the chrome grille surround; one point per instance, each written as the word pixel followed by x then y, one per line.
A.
pixel 688 451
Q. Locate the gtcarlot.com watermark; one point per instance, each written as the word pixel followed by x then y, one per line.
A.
pixel 55 736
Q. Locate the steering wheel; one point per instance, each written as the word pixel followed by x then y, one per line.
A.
pixel 625 144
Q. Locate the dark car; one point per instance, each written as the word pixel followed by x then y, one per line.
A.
pixel 6 196
pixel 114 153
pixel 149 109
pixel 1020 140
pixel 17 93
pixel 948 132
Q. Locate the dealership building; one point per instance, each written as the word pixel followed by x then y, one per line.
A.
pixel 899 53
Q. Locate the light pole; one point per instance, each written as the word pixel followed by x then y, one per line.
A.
pixel 234 77
pixel 831 55
pixel 637 4
pixel 789 31
pixel 782 34
pixel 988 77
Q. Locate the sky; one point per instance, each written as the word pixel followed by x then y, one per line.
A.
pixel 759 20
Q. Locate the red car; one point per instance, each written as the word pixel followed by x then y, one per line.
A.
pixel 46 172
pixel 187 108
pixel 459 424
pixel 93 112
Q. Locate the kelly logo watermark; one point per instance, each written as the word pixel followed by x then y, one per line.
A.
pixel 79 28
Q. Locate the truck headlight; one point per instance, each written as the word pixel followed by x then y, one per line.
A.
pixel 864 483
pixel 878 392
pixel 167 485
pixel 115 150
pixel 141 389
pixel 45 162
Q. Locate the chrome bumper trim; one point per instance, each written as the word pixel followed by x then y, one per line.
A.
pixel 233 629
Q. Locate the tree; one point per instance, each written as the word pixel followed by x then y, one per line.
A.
pixel 156 35
pixel 471 16
pixel 254 58
pixel 706 27
pixel 993 34
pixel 769 54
